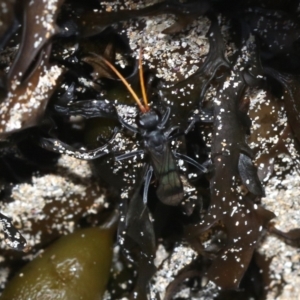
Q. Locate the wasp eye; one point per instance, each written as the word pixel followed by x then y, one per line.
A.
pixel 141 122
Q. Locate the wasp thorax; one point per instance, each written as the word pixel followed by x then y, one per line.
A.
pixel 149 119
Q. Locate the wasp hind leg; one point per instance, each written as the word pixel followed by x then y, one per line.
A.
pixel 148 177
pixel 191 161
pixel 128 155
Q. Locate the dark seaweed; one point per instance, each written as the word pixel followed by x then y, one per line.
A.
pixel 266 34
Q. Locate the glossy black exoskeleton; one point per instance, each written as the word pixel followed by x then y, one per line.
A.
pixel 150 125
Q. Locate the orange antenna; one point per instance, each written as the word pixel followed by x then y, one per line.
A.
pixel 142 81
pixel 134 95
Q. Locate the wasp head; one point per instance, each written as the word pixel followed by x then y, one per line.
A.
pixel 148 120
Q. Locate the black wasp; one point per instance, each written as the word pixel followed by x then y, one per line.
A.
pixel 156 138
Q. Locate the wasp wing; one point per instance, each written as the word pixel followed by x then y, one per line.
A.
pixel 170 189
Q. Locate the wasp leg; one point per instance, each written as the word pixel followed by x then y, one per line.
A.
pixel 168 132
pixel 147 184
pixel 128 155
pixel 190 161
pixel 89 109
pixel 165 118
pixel 176 135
